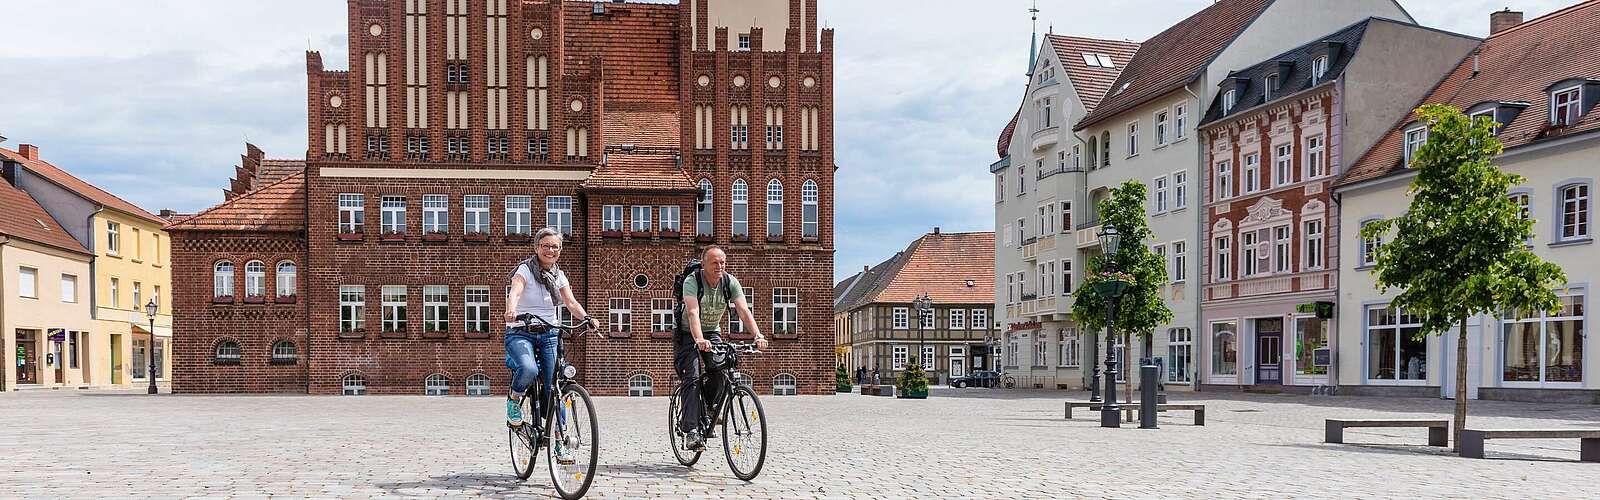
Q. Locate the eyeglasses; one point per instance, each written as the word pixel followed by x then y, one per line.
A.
pixel 556 248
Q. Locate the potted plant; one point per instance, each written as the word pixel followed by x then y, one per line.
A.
pixel 436 236
pixel 394 236
pixel 1111 283
pixel 518 238
pixel 913 383
pixel 842 380
pixel 356 236
pixel 475 236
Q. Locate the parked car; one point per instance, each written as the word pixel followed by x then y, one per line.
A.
pixel 979 378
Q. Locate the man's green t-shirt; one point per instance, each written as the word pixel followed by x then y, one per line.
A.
pixel 714 305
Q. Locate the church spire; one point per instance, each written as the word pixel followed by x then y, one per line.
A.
pixel 1033 39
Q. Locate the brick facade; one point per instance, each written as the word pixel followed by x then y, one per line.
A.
pixel 637 84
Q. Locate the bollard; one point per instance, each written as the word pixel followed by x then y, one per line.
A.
pixel 1147 396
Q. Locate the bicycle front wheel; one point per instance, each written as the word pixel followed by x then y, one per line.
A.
pixel 675 439
pixel 574 449
pixel 524 443
pixel 744 433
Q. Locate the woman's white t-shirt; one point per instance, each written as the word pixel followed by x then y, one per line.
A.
pixel 536 298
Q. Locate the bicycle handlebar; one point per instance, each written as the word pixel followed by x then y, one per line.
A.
pixel 742 348
pixel 586 326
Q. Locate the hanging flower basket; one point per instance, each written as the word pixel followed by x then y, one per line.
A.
pixel 1112 284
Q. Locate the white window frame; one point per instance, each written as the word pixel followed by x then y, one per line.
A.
pixel 1397 327
pixel 810 209
pixel 642 216
pixel 1568 113
pixel 1574 202
pixel 1159 194
pixel 1413 140
pixel 901 355
pixel 1282 248
pixel 619 314
pixel 1283 166
pixel 558 213
pixel 669 220
pixel 784 384
pixel 28 282
pixel 1319 69
pixel 1250 255
pixel 284 350
pixel 901 318
pixel 1067 348
pixel 641 385
pixel 352 308
pixel 1041 348
pixel 1066 277
pixel 1368 247
pixel 705 211
pixel 519 215
pixel 436 385
pixel 113 238
pixel 1161 127
pixel 477 385
pixel 1180 261
pixel 475 214
pixel 353 385
pixel 930 360
pixel 69 288
pixel 661 315
pixel 611 218
pixel 255 279
pixel 1222 249
pixel 395 312
pixel 785 310
pixel 1224 184
pixel 1316 159
pixel 957 319
pixel 435 308
pixel 1251 173
pixel 1180 190
pixel 393 215
pixel 476 314
pixel 740 196
pixel 435 213
pixel 1314 233
pixel 1229 98
pixel 1133 138
pixel 1180 120
pixel 286 276
pixel 1180 342
pixel 774 209
pixel 980 319
pixel 1571 299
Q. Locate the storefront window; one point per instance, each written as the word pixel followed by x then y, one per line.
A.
pixel 1395 348
pixel 1537 347
pixel 1310 334
pixel 1224 348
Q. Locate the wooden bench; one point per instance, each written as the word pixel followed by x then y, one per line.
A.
pixel 1471 444
pixel 1132 409
pixel 1438 429
pixel 877 390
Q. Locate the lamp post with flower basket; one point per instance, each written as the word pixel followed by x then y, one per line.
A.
pixel 1110 286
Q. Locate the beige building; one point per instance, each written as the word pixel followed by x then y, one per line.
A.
pixel 44 307
pixel 128 271
pixel 1538 81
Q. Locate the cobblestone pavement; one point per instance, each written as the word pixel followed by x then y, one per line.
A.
pixel 972 443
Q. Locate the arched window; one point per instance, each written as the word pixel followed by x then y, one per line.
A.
pixel 703 213
pixel 255 279
pixel 436 385
pixel 783 385
pixel 222 279
pixel 227 352
pixel 641 385
pixel 1105 149
pixel 354 385
pixel 1094 152
pixel 741 208
pixel 808 209
pixel 742 378
pixel 774 209
pixel 283 351
pixel 287 276
pixel 478 385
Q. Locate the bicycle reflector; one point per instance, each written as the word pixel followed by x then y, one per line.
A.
pixel 569 371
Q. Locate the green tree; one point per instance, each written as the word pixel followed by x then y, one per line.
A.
pixel 913 379
pixel 1141 308
pixel 1461 250
pixel 841 379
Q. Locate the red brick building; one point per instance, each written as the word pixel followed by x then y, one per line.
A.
pixel 463 126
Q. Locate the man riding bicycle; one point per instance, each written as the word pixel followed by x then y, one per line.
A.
pixel 536 286
pixel 703 319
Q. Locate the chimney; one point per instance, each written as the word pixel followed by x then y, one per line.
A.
pixel 1503 20
pixel 936 230
pixel 865 268
pixel 28 151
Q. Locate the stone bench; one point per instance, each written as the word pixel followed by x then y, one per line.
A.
pixel 1471 443
pixel 877 390
pixel 1438 429
pixel 1132 409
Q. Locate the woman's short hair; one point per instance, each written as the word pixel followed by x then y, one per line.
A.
pixel 549 231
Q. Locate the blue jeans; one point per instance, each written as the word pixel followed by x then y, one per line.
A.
pixel 521 349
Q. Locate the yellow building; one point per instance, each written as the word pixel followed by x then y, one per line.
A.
pixel 129 269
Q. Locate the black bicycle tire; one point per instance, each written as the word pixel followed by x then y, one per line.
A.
pixel 672 430
pixel 594 445
pixel 520 432
pixel 761 420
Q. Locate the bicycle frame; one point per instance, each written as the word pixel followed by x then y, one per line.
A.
pixel 713 410
pixel 558 378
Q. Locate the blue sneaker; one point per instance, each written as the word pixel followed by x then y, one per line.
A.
pixel 513 412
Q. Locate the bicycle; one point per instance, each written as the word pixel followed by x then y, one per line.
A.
pixel 569 423
pixel 744 436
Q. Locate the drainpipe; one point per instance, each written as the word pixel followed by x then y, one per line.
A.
pixel 4 240
pixel 94 304
pixel 303 283
pixel 1199 240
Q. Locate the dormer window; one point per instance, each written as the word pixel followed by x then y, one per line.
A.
pixel 1495 129
pixel 1416 136
pixel 1097 60
pixel 744 41
pixel 1565 106
pixel 1229 98
pixel 1319 67
pixel 1271 85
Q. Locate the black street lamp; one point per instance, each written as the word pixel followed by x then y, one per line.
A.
pixel 924 306
pixel 150 311
pixel 1110 289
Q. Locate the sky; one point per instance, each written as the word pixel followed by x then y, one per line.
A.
pixel 153 100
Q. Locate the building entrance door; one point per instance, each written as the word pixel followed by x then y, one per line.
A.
pixel 958 361
pixel 116 358
pixel 1269 351
pixel 27 357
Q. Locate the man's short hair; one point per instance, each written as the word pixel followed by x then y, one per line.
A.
pixel 707 253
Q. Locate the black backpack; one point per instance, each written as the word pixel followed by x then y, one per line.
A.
pixel 693 269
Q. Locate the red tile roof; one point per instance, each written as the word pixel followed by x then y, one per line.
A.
pixel 1514 65
pixel 640 171
pixel 651 125
pixel 1003 145
pixel 273 171
pixel 637 43
pixel 941 264
pixel 280 206
pixel 1175 57
pixel 23 218
pixel 71 183
pixel 1091 82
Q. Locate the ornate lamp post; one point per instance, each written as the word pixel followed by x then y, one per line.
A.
pixel 1111 289
pixel 150 312
pixel 923 305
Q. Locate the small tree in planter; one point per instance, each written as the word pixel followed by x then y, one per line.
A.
pixel 913 382
pixel 841 379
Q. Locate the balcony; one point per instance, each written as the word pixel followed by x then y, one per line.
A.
pixel 1088 234
pixel 1044 138
pixel 1032 246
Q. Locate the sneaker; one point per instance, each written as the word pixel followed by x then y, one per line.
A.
pixel 513 412
pixel 693 441
pixel 563 453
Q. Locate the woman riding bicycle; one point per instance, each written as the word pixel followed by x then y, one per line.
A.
pixel 536 284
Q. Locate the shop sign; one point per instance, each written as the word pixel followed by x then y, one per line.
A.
pixel 1321 357
pixel 1025 325
pixel 57 334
